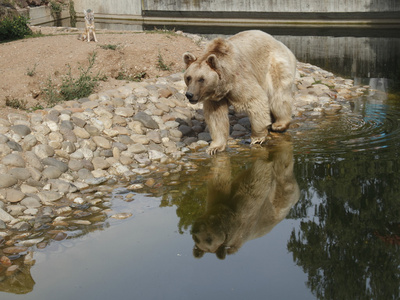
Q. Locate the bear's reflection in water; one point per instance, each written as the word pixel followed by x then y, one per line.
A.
pixel 248 206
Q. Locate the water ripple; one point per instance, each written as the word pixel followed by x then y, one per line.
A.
pixel 370 126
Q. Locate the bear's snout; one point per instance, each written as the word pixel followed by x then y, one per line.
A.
pixel 190 98
pixel 189 95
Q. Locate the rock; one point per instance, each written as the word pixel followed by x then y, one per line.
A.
pixel 14 196
pixel 28 259
pixel 33 160
pixel 81 222
pixel 21 226
pixel 5 261
pixel 31 211
pixel 102 142
pixel 205 136
pixel 14 146
pixel 4 150
pixel 81 133
pixel 154 136
pixel 49 196
pixel 15 209
pixel 7 180
pixel 31 202
pixel 50 161
pixel 150 182
pixel 146 120
pixel 136 186
pixel 185 130
pixel 121 216
pixel 100 163
pixel 124 111
pixel 11 270
pixel 43 151
pixel 155 155
pixel 137 148
pixel 60 236
pixel 15 250
pixel 21 130
pixel 96 181
pixel 51 172
pixel 13 160
pixel 29 142
pixel 5 217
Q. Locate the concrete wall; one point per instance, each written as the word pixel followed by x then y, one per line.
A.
pixel 42 15
pixel 107 7
pixel 139 7
pixel 310 6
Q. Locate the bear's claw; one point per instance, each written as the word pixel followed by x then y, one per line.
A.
pixel 212 150
pixel 258 140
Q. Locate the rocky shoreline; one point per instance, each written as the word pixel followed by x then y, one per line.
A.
pixel 50 158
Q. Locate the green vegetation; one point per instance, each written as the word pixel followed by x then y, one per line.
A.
pixel 72 13
pixel 109 47
pixel 320 82
pixel 73 88
pixel 50 93
pixel 161 64
pixel 15 103
pixel 122 75
pixel 31 72
pixel 15 27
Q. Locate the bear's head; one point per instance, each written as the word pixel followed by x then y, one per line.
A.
pixel 209 236
pixel 204 78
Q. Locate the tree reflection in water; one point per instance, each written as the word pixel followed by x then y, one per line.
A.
pixel 350 245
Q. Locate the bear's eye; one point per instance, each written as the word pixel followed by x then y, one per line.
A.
pixel 188 79
pixel 201 80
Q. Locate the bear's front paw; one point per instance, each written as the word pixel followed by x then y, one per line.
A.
pixel 213 149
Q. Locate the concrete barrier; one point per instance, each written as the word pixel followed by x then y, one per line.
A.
pixel 245 12
pixel 42 16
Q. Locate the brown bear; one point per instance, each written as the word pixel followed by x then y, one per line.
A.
pixel 248 206
pixel 251 71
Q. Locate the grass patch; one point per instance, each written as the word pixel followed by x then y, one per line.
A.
pixel 109 47
pixel 320 82
pixel 122 75
pixel 31 72
pixel 15 103
pixel 83 85
pixel 164 30
pixel 161 64
pixel 73 87
pixel 50 93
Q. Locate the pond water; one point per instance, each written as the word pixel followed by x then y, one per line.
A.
pixel 314 214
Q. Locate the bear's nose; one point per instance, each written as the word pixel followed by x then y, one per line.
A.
pixel 189 95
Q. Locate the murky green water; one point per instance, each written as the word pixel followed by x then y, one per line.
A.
pixel 315 214
pixel 311 215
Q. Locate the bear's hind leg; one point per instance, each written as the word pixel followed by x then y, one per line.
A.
pixel 260 119
pixel 216 115
pixel 281 109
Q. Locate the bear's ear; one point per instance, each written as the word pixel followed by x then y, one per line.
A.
pixel 197 253
pixel 212 61
pixel 188 58
pixel 221 252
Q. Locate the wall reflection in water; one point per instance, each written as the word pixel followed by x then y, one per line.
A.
pixel 247 206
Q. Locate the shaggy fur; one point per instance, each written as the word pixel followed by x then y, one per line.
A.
pixel 249 206
pixel 90 30
pixel 251 71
